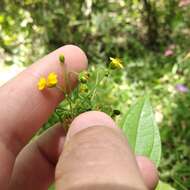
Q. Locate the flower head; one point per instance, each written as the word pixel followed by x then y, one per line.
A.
pixel 42 83
pixel 52 80
pixel 84 76
pixel 116 63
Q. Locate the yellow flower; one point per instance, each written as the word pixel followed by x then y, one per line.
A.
pixel 84 76
pixel 116 63
pixel 52 80
pixel 42 83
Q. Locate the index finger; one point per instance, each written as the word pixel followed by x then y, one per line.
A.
pixel 23 107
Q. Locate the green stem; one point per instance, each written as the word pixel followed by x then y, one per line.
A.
pixel 96 84
pixel 98 80
pixel 69 100
pixel 67 83
pixel 68 87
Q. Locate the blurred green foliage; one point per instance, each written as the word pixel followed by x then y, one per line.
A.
pixel 140 32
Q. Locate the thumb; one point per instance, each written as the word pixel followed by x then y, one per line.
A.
pixel 97 156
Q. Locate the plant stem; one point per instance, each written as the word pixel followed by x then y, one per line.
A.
pixel 96 84
pixel 68 88
pixel 69 100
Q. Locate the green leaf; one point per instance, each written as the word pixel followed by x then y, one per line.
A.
pixel 141 130
pixel 164 186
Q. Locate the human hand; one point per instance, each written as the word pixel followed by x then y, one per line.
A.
pixel 93 155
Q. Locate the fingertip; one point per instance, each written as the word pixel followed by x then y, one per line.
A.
pixel 148 171
pixel 97 156
pixel 90 119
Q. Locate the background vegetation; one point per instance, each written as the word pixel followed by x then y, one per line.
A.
pixel 153 39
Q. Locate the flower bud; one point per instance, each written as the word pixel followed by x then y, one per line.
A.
pixel 84 77
pixel 62 58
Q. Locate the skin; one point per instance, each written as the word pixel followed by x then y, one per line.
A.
pixel 49 158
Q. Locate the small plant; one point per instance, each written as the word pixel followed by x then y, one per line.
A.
pixel 94 92
pixel 84 97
